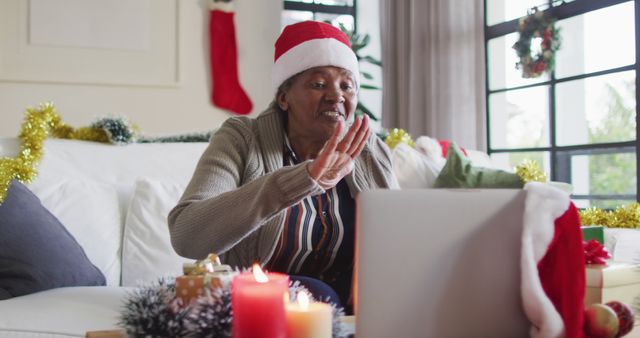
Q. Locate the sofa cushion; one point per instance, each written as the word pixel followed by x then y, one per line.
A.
pixel 63 312
pixel 91 213
pixel 147 253
pixel 36 251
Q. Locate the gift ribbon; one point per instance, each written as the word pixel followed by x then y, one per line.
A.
pixel 210 264
pixel 595 252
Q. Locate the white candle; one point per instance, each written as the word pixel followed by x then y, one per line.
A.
pixel 308 319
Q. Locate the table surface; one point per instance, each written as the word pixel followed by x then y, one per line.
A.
pixel 349 321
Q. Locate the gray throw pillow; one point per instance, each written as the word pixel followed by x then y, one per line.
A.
pixel 36 251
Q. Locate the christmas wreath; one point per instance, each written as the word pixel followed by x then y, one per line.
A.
pixel 537 30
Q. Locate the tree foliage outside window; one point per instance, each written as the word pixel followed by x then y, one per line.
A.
pixel 614 173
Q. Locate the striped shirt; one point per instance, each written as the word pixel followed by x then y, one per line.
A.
pixel 318 236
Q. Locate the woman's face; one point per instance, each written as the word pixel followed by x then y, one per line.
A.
pixel 318 100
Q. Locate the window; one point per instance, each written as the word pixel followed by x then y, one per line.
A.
pixel 335 11
pixel 578 122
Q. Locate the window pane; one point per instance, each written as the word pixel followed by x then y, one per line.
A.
pixel 596 41
pixel 596 109
pixel 291 17
pixel 610 204
pixel 335 2
pixel 502 64
pixel 508 161
pixel 605 174
pixel 506 10
pixel 335 19
pixel 519 118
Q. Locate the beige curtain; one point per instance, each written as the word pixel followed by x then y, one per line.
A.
pixel 433 69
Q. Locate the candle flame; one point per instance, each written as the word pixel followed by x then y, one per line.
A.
pixel 303 300
pixel 258 274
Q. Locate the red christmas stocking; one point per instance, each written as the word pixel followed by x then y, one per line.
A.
pixel 227 91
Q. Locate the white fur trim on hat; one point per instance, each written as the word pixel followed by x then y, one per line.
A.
pixel 543 205
pixel 314 53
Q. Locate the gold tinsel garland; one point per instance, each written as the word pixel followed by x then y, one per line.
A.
pixel 34 130
pixel 397 136
pixel 83 133
pixel 529 171
pixel 627 216
pixel 38 124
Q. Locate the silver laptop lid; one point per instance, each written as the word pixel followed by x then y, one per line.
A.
pixel 439 263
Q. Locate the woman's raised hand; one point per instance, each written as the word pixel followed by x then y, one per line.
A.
pixel 336 158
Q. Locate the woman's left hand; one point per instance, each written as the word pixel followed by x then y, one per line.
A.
pixel 336 158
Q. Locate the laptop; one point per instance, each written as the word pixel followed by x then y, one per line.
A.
pixel 439 263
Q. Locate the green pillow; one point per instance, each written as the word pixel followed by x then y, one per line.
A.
pixel 459 173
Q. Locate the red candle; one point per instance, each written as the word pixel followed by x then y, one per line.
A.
pixel 258 301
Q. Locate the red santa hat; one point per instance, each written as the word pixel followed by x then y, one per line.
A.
pixel 310 44
pixel 552 262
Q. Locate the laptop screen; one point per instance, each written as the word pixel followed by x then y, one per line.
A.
pixel 439 263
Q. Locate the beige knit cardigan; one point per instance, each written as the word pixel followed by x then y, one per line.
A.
pixel 236 201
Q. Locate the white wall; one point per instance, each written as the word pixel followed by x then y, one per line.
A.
pixel 168 110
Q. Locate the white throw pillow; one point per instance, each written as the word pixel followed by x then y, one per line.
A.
pixel 89 210
pixel 147 253
pixel 431 148
pixel 622 244
pixel 414 169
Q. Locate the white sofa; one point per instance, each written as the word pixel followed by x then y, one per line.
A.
pixel 114 201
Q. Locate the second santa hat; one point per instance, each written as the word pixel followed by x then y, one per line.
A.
pixel 310 44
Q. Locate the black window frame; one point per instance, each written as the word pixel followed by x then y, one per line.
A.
pixel 560 156
pixel 325 9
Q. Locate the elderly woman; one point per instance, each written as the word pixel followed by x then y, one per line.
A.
pixel 279 189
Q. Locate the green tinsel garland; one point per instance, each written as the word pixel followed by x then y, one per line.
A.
pixel 118 129
pixel 190 137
